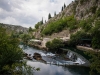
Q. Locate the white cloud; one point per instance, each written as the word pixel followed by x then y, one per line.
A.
pixel 28 12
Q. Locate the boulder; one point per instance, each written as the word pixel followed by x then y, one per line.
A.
pixel 25 54
pixel 37 56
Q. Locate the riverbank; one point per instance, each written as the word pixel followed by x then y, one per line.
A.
pixel 37 46
pixel 83 48
pixel 59 59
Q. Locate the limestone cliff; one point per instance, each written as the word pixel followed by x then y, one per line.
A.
pixel 81 9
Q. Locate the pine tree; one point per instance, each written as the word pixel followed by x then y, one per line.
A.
pixel 49 16
pixel 64 5
pixel 62 9
pixel 42 21
pixel 45 21
pixel 55 14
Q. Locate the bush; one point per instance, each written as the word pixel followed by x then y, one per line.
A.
pixel 96 35
pixel 86 25
pixel 93 9
pixel 54 45
pixel 98 13
pixel 55 26
pixel 76 38
pixel 60 24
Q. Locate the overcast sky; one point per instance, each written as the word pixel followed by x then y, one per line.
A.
pixel 28 12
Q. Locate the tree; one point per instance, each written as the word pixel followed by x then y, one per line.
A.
pixel 45 21
pixel 42 21
pixel 30 29
pixel 64 5
pixel 62 9
pixel 76 38
pixel 55 14
pixel 10 53
pixel 25 38
pixel 49 16
pixel 96 35
pixel 11 56
pixel 38 25
pixel 95 63
pixel 54 45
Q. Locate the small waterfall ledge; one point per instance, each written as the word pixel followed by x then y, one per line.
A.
pixel 77 58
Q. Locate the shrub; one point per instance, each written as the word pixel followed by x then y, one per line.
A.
pixel 54 45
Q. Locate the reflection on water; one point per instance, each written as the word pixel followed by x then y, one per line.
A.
pixel 47 69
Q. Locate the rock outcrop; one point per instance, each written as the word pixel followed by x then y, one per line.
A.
pixel 14 28
pixel 81 9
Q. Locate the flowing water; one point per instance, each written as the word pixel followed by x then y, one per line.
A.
pixel 51 69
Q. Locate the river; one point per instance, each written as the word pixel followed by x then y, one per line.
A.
pixel 51 69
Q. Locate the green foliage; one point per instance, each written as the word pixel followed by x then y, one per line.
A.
pixel 95 63
pixel 82 1
pixel 9 51
pixel 96 35
pixel 30 29
pixel 11 56
pixel 71 22
pixel 98 13
pixel 76 38
pixel 54 45
pixel 93 9
pixel 55 26
pixel 59 25
pixel 38 24
pixel 25 37
pixel 86 24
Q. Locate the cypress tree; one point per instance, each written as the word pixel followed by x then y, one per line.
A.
pixel 55 14
pixel 49 16
pixel 62 9
pixel 64 5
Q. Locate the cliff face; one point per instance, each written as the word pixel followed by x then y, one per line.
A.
pixel 81 9
pixel 10 28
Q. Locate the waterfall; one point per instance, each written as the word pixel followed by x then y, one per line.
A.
pixel 73 57
pixel 69 54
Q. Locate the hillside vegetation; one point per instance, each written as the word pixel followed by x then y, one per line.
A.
pixel 82 19
pixel 81 16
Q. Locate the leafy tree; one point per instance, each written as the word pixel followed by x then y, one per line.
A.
pixel 38 24
pixel 54 45
pixel 10 53
pixel 30 29
pixel 86 24
pixel 49 16
pixel 25 38
pixel 11 56
pixel 95 63
pixel 76 38
pixel 71 21
pixel 98 13
pixel 96 35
